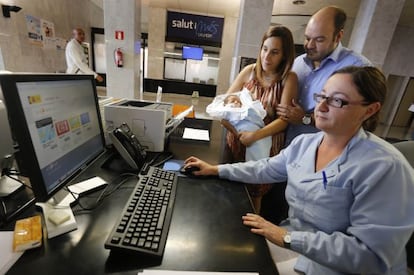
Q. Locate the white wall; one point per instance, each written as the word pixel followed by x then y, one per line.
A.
pixel 21 55
pixel 400 59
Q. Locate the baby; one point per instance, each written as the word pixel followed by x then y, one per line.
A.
pixel 251 123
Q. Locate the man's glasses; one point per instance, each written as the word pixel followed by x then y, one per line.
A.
pixel 335 101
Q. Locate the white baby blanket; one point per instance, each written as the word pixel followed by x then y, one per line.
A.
pixel 217 109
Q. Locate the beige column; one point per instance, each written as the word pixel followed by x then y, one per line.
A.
pixel 254 19
pixel 226 53
pixel 157 24
pixel 123 17
pixel 374 28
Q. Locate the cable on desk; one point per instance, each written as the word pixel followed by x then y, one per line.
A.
pixel 3 216
pixel 156 160
pixel 104 194
pixel 9 172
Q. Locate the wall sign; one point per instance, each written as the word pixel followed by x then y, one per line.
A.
pixel 192 28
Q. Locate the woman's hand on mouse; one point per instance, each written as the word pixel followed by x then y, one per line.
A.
pixel 206 169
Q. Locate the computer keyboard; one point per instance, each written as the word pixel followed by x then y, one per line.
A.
pixel 144 222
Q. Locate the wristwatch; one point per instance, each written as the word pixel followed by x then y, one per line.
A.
pixel 286 240
pixel 307 119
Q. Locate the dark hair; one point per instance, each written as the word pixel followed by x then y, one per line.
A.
pixel 288 48
pixel 371 85
pixel 339 19
pixel 338 14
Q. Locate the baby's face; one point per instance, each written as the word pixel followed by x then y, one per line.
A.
pixel 233 101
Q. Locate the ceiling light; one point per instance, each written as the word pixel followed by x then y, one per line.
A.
pixel 299 2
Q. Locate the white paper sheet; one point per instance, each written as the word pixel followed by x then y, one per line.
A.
pixel 196 134
pixel 7 256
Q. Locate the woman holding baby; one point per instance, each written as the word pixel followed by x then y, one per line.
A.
pixel 270 81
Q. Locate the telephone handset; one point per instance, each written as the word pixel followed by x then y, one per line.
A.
pixel 128 146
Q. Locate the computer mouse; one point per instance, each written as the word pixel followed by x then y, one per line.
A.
pixel 189 170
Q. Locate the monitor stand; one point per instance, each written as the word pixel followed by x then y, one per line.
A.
pixel 58 217
pixel 8 186
pixel 57 213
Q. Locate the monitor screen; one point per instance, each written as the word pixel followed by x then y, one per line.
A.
pixel 195 53
pixel 56 123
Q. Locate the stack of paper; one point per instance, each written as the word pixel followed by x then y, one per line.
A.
pixel 7 256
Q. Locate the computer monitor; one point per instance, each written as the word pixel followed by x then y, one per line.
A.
pixel 195 53
pixel 56 123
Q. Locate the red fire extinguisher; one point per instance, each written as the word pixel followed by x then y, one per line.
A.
pixel 119 58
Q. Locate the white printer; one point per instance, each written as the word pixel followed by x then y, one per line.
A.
pixel 151 122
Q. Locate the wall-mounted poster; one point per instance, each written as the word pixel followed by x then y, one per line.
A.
pixel 42 33
pixel 48 29
pixel 34 29
pixel 48 34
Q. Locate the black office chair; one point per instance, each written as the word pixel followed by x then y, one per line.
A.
pixel 407 149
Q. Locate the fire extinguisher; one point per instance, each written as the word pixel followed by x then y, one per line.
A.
pixel 119 58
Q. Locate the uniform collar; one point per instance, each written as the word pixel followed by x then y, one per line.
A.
pixel 334 167
pixel 360 135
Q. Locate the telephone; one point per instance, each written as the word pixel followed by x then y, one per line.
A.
pixel 128 146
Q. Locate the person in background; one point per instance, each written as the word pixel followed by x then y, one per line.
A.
pixel 349 191
pixel 270 81
pixel 76 59
pixel 323 55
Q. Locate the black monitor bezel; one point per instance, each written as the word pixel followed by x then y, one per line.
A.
pixel 26 156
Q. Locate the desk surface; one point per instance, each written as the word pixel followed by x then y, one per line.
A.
pixel 206 233
pixel 208 151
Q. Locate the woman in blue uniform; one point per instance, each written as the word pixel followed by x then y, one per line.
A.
pixel 350 193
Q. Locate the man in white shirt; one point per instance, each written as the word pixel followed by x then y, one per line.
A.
pixel 75 56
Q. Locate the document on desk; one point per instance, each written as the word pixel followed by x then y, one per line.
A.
pixel 171 272
pixel 196 134
pixel 7 256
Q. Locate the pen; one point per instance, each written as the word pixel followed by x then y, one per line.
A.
pixel 325 180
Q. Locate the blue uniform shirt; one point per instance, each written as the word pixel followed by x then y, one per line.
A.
pixel 355 219
pixel 312 80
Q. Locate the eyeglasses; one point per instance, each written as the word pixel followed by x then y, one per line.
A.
pixel 335 101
